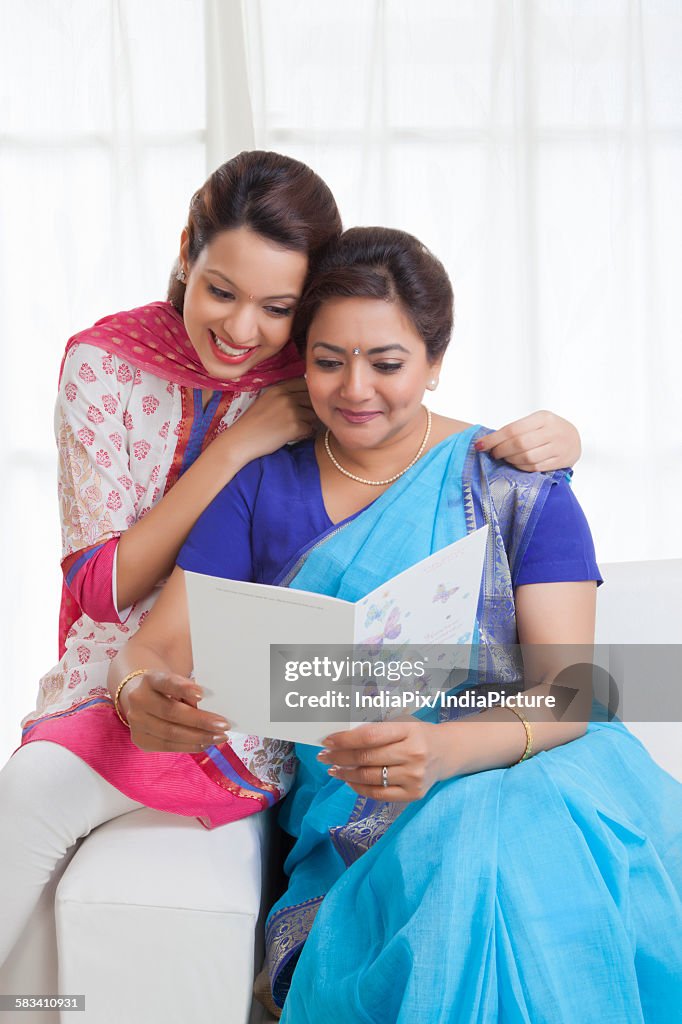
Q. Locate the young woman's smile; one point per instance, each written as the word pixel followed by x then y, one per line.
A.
pixel 241 293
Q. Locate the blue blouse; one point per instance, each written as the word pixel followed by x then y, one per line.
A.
pixel 273 508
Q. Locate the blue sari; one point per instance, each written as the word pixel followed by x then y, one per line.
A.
pixel 453 908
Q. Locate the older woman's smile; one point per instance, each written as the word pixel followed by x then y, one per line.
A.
pixel 352 416
pixel 367 368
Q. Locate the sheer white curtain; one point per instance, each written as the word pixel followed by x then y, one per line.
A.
pixel 536 146
pixel 102 122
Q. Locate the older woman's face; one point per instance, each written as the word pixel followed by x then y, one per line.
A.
pixel 240 297
pixel 367 369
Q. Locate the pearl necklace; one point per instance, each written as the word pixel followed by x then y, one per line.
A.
pixel 390 479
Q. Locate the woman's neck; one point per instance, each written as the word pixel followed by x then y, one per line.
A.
pixel 389 457
pixel 343 496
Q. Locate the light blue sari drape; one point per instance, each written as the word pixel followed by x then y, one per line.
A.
pixel 546 894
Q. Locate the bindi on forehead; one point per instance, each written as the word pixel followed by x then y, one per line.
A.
pixel 236 288
pixel 376 350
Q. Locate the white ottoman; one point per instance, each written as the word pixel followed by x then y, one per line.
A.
pixel 157 920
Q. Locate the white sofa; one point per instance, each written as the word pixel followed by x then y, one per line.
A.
pixel 641 603
pixel 160 922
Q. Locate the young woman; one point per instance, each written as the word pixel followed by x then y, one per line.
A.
pixel 156 412
pixel 506 866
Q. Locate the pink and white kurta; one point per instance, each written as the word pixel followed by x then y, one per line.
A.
pixel 124 436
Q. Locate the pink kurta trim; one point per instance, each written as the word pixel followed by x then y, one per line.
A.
pixel 91 584
pixel 165 781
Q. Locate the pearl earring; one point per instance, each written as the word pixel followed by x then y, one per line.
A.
pixel 433 384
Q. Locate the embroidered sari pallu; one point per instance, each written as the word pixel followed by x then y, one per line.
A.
pixel 544 893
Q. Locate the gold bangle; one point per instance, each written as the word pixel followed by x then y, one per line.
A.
pixel 528 752
pixel 126 679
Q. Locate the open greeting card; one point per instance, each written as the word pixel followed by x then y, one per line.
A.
pixel 252 643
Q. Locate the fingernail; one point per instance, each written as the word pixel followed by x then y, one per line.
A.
pixel 478 445
pixel 198 696
pixel 219 739
pixel 322 754
pixel 218 725
pixel 333 770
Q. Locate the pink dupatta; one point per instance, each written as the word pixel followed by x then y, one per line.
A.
pixel 154 338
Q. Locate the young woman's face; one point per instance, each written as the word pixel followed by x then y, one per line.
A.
pixel 373 396
pixel 239 300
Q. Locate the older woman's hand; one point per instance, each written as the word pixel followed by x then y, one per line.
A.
pixel 537 443
pixel 161 710
pixel 407 749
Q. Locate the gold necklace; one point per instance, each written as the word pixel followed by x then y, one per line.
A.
pixel 391 479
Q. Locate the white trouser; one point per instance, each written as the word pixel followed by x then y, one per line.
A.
pixel 49 799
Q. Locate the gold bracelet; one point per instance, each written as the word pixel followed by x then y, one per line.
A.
pixel 126 679
pixel 528 752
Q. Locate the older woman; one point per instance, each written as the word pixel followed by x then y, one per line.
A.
pixel 495 867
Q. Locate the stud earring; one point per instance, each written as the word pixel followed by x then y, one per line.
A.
pixel 181 276
pixel 433 384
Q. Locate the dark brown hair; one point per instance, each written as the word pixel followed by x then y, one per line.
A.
pixel 278 198
pixel 382 263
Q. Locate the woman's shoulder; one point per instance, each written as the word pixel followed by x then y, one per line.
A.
pixel 90 359
pixel 280 473
pixel 543 527
pixel 512 493
pixel 88 369
pixel 153 316
pixel 560 546
pixel 289 456
pixel 443 427
pixel 290 464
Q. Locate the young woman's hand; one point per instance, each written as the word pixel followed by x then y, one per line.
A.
pixel 161 710
pixel 407 748
pixel 537 443
pixel 282 413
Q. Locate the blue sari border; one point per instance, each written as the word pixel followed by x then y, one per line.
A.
pixel 285 936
